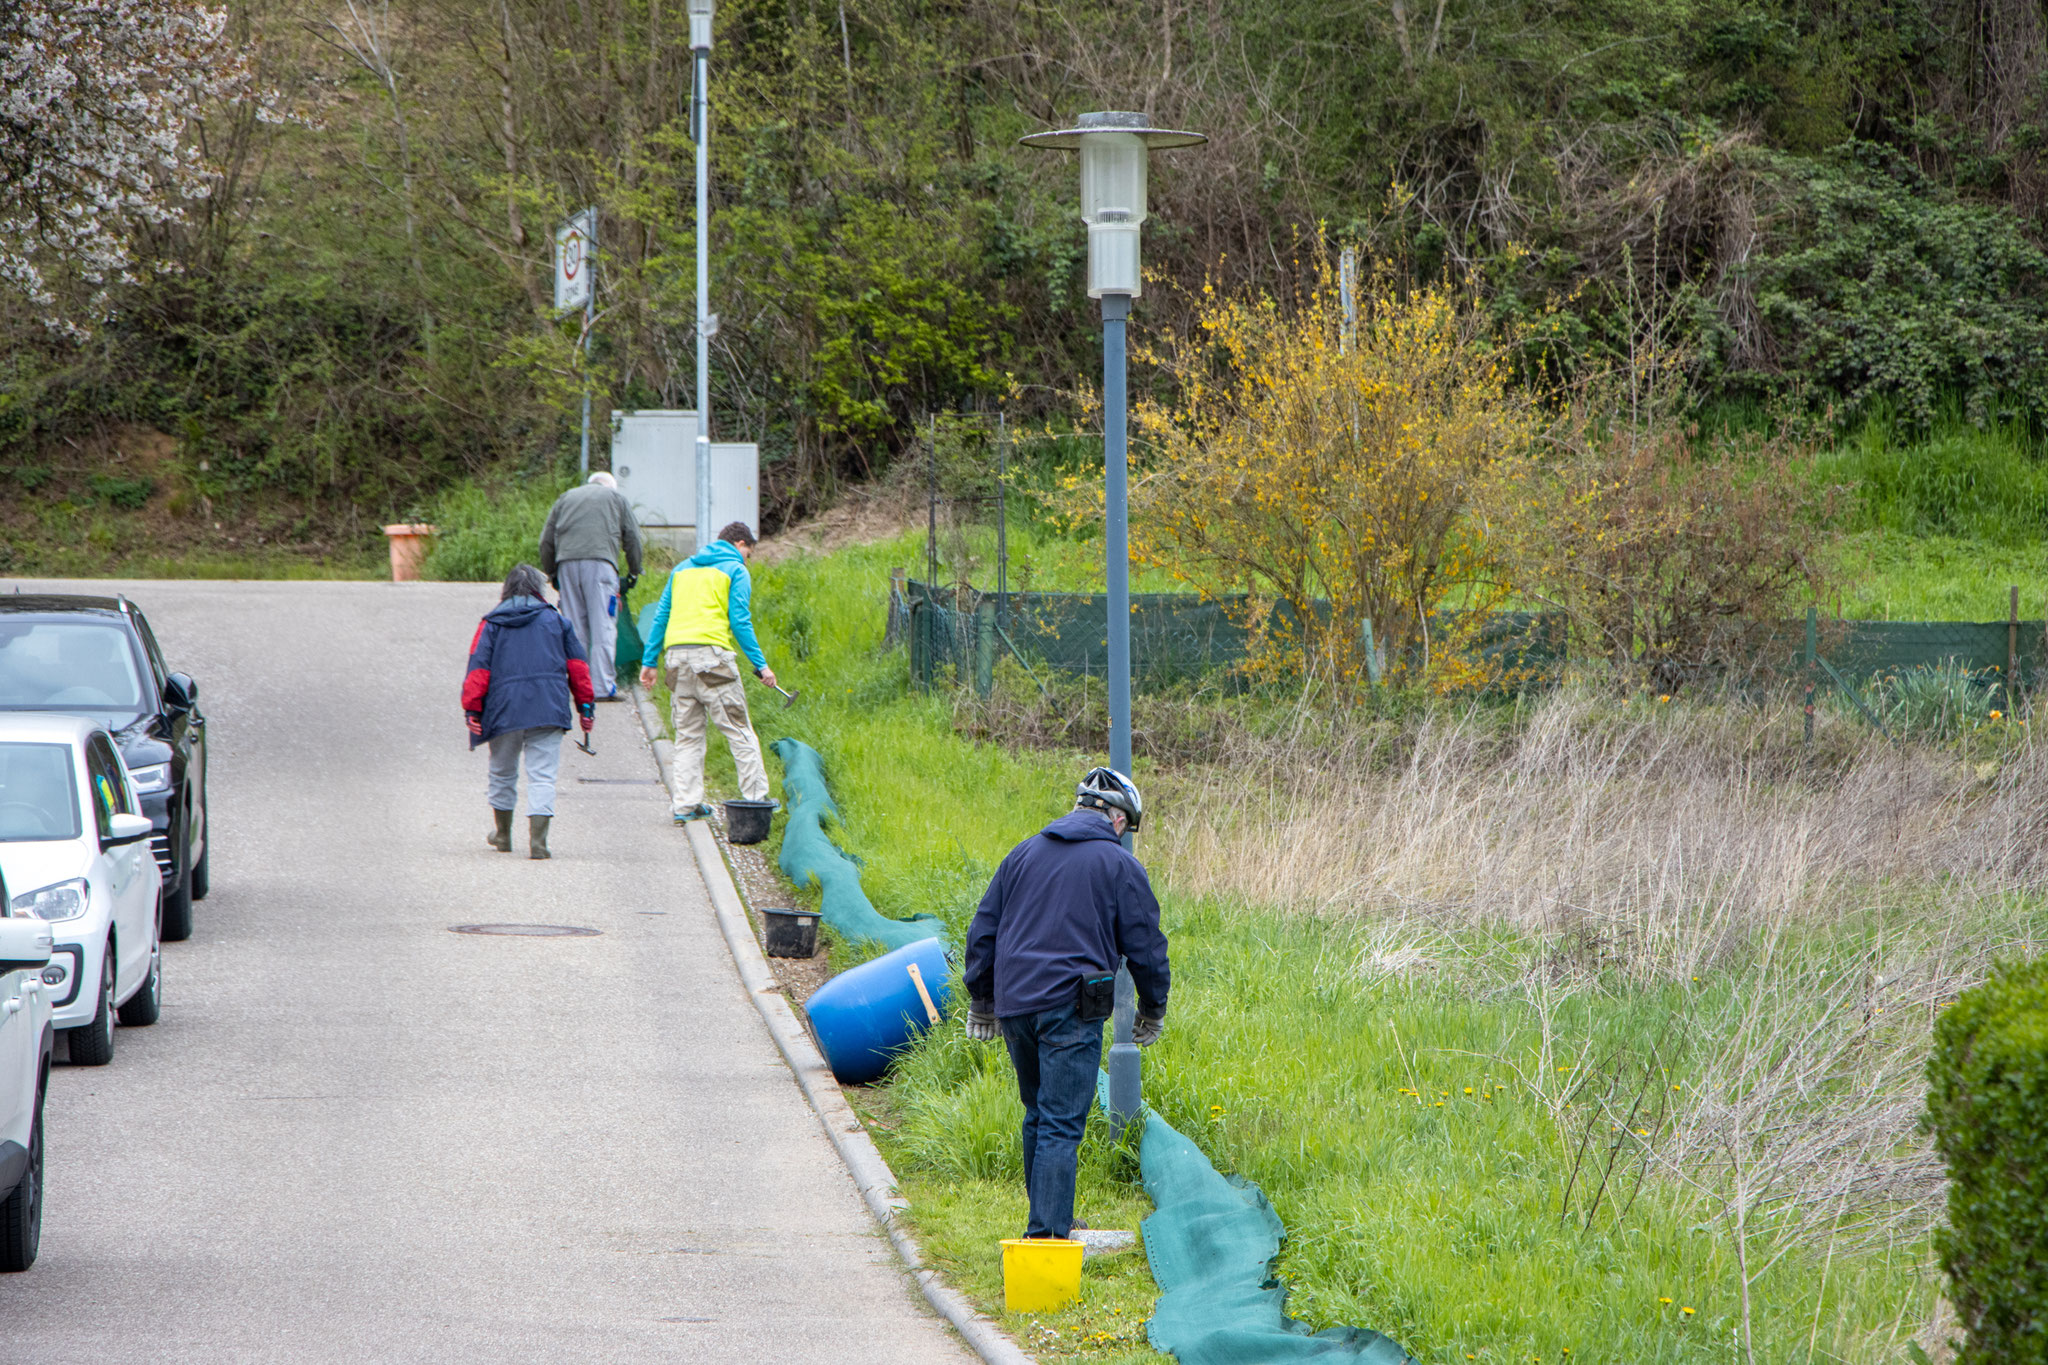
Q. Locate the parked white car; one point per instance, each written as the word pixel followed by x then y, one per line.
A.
pixel 25 1042
pixel 74 847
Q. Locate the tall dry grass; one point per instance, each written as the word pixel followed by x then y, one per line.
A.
pixel 1668 839
pixel 1784 921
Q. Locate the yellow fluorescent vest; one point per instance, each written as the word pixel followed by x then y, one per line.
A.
pixel 697 600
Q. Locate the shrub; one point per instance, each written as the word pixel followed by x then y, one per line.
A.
pixel 1987 1105
pixel 1308 461
pixel 1670 567
pixel 485 531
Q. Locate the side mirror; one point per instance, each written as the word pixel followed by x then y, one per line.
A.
pixel 128 829
pixel 24 945
pixel 180 692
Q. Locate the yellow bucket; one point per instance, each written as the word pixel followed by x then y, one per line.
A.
pixel 1040 1274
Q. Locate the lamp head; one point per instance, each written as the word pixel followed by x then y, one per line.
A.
pixel 1115 149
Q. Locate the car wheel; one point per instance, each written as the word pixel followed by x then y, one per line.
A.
pixel 202 881
pixel 177 921
pixel 93 1044
pixel 21 1213
pixel 147 1003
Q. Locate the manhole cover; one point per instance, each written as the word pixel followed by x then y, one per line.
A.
pixel 527 930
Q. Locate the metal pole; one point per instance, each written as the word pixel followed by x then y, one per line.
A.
pixel 1347 286
pixel 589 321
pixel 1116 475
pixel 1002 521
pixel 703 451
pixel 1126 1079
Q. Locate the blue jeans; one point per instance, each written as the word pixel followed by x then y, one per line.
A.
pixel 1057 1058
pixel 542 747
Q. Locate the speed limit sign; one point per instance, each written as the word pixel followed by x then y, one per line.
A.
pixel 575 260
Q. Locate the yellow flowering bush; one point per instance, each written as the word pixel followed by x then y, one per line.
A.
pixel 1305 462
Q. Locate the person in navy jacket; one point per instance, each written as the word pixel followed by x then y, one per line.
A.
pixel 527 669
pixel 1064 908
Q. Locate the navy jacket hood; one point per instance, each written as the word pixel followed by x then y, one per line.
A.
pixel 1067 903
pixel 1081 824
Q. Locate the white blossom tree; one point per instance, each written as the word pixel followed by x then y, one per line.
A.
pixel 97 98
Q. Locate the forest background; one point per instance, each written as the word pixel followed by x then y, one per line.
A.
pixel 1829 212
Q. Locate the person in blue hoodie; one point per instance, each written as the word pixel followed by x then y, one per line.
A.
pixel 526 669
pixel 701 624
pixel 1064 908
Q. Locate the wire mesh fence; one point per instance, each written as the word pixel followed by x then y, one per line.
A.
pixel 959 633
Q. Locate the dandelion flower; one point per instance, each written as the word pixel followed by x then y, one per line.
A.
pixel 1664 1300
pixel 1686 1311
pixel 1468 1089
pixel 1998 715
pixel 1642 1132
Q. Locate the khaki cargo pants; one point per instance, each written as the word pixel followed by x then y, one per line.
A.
pixel 704 680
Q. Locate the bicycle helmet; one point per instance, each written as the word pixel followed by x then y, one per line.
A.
pixel 1105 789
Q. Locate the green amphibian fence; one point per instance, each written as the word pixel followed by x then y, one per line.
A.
pixel 960 633
pixel 1174 636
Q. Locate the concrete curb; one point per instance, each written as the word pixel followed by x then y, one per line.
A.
pixel 877 1183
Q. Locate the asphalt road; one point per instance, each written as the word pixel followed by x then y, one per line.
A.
pixel 356 1136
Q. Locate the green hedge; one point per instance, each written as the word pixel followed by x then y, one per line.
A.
pixel 1987 1105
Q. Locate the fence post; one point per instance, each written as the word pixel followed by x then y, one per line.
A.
pixel 899 604
pixel 985 646
pixel 2012 652
pixel 1812 653
pixel 920 647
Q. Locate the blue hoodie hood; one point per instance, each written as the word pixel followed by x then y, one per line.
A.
pixel 719 554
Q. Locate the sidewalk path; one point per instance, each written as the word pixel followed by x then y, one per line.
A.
pixel 356 1136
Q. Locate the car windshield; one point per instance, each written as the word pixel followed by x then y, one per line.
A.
pixel 38 793
pixel 68 666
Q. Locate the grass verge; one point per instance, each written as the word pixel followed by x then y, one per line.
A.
pixel 1539 1029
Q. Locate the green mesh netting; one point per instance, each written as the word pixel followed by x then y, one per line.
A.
pixel 809 856
pixel 626 658
pixel 1211 1244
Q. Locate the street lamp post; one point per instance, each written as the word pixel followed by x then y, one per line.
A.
pixel 700 121
pixel 1115 152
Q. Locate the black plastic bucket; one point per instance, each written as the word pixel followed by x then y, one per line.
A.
pixel 790 933
pixel 746 822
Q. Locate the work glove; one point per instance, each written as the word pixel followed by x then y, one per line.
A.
pixel 476 721
pixel 981 1022
pixel 1146 1030
pixel 586 715
pixel 626 585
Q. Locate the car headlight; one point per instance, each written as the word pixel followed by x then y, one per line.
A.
pixel 65 900
pixel 156 777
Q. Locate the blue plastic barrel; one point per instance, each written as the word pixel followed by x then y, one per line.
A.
pixel 865 1016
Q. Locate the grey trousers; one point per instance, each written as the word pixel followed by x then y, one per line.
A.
pixel 590 599
pixel 542 746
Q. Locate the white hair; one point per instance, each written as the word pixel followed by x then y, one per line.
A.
pixel 601 477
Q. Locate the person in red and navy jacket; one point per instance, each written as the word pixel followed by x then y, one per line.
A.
pixel 526 668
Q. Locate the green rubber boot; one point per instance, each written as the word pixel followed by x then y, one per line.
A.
pixel 537 836
pixel 501 837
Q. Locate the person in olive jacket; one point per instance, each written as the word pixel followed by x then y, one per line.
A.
pixel 527 669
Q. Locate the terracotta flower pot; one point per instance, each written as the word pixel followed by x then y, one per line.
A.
pixel 408 549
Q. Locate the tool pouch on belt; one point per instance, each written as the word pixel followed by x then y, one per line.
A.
pixel 718 672
pixel 1098 998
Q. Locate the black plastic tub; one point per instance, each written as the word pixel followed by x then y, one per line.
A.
pixel 746 822
pixel 789 933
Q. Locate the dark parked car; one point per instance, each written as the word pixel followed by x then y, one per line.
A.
pixel 96 657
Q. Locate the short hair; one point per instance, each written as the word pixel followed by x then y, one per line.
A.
pixel 600 477
pixel 737 533
pixel 524 581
